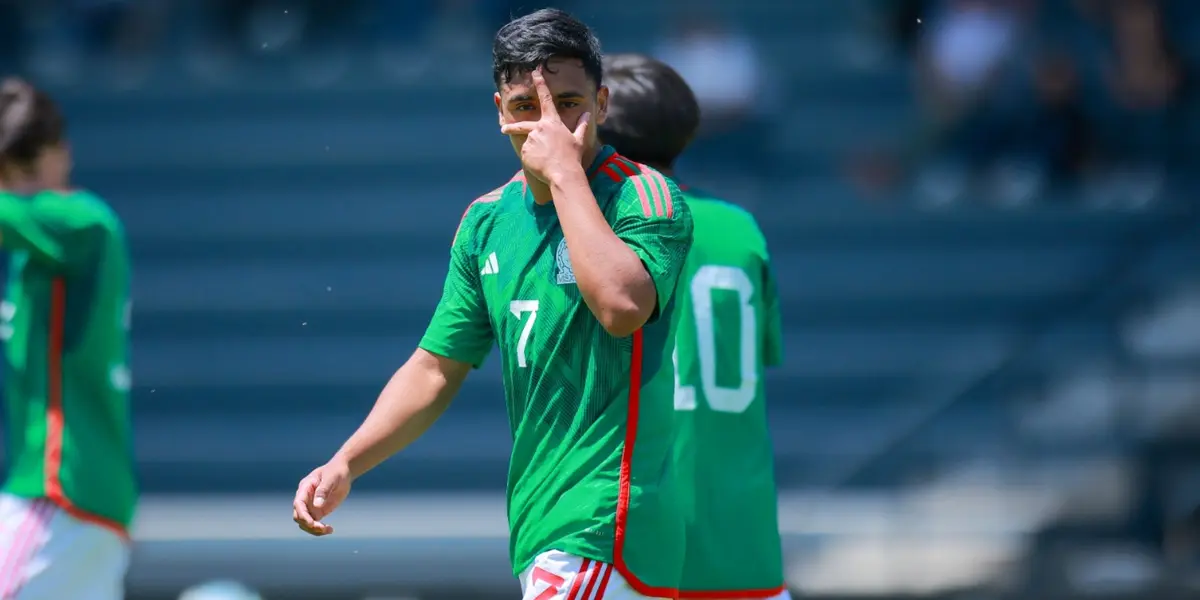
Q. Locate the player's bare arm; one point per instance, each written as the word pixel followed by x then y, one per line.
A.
pixel 417 394
pixel 610 276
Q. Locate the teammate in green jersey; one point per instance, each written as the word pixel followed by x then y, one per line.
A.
pixel 571 269
pixel 729 330
pixel 70 493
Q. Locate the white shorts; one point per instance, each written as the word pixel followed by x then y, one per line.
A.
pixel 557 575
pixel 784 595
pixel 47 554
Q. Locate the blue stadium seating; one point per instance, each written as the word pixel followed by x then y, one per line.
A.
pixel 289 247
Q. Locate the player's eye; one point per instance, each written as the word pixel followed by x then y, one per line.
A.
pixel 566 104
pixel 524 107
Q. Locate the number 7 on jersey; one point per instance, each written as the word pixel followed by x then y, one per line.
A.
pixel 518 308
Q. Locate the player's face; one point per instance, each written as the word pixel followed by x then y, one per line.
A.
pixel 54 167
pixel 574 92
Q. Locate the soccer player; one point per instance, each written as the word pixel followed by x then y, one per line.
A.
pixel 570 268
pixel 69 497
pixel 729 331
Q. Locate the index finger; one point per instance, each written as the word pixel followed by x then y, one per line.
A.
pixel 545 98
pixel 303 496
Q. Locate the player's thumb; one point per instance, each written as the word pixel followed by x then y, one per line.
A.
pixel 581 129
pixel 324 486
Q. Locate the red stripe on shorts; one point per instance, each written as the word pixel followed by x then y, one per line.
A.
pixel 607 572
pixel 587 592
pixel 585 569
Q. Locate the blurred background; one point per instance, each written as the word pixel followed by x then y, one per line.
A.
pixel 983 214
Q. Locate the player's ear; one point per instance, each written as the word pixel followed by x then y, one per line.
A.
pixel 601 106
pixel 499 111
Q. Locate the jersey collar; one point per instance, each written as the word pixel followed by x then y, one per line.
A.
pixel 602 156
pixel 605 153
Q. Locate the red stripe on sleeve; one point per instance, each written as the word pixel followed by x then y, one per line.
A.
pixel 662 183
pixel 639 171
pixel 642 188
pixel 608 170
pixel 491 196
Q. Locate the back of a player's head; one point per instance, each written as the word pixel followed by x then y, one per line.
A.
pixel 528 42
pixel 652 112
pixel 30 124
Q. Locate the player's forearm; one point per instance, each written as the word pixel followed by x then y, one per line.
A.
pixel 610 276
pixel 417 394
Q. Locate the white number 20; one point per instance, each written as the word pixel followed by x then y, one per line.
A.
pixel 519 308
pixel 722 399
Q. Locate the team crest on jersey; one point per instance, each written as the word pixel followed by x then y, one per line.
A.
pixel 562 259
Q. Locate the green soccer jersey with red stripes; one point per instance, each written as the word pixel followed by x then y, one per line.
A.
pixel 65 326
pixel 729 331
pixel 591 415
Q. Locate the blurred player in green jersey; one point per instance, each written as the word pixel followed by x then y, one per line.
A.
pixel 729 330
pixel 571 269
pixel 69 497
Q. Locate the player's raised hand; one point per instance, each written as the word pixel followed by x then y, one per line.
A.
pixel 319 494
pixel 550 146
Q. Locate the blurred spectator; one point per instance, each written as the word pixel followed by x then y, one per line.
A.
pixel 1144 79
pixel 965 46
pixel 905 20
pixel 1031 134
pixel 1028 119
pixel 724 69
pixel 721 65
pixel 451 28
pixel 11 38
pixel 325 30
pixel 224 34
pixel 1056 134
pixel 122 34
pixel 1182 543
pixel 962 56
pixel 313 37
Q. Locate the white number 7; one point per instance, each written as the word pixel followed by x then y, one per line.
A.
pixel 518 308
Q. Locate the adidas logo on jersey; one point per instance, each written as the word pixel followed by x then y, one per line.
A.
pixel 490 266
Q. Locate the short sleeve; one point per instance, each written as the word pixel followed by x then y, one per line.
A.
pixel 55 228
pixel 772 351
pixel 653 219
pixel 460 329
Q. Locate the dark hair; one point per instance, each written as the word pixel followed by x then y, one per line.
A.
pixel 30 121
pixel 528 42
pixel 652 113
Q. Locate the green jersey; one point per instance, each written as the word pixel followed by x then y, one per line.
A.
pixel 65 324
pixel 729 330
pixel 591 414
